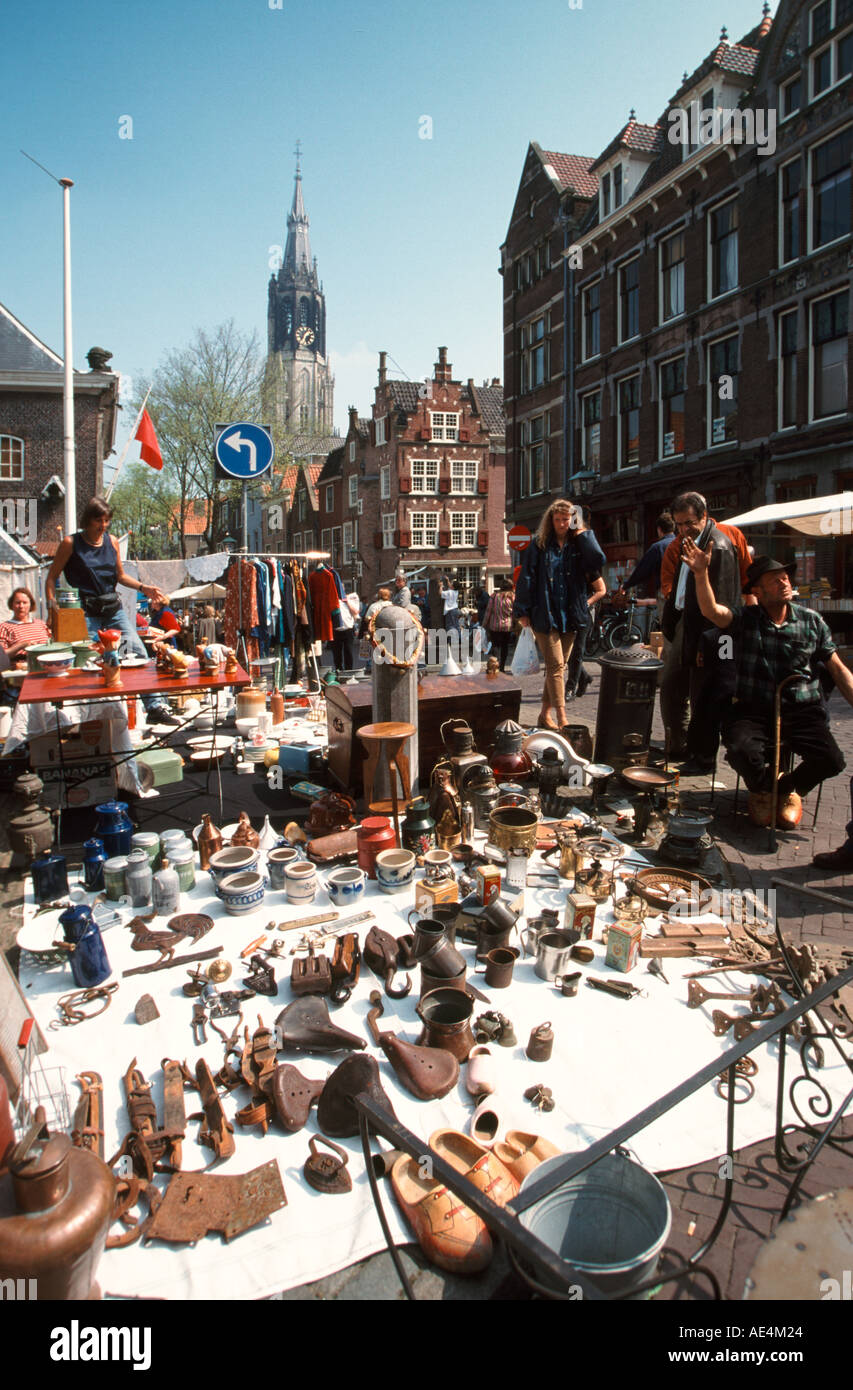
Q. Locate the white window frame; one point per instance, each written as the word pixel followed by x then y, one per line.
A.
pixel 780 424
pixel 620 466
pixel 783 87
pixel 781 214
pixel 298 545
pixel 352 451
pixel 463 476
pixel 8 443
pixel 712 396
pixel 663 272
pixel 330 497
pixel 587 461
pixel 380 429
pixel 426 524
pixel 388 520
pixel 710 250
pixel 810 194
pixel 425 476
pixel 385 482
pixel 326 538
pixel 444 426
pixel 347 543
pixel 632 260
pixel 831 44
pixel 813 418
pixel 464 524
pixel 675 453
pixel 526 447
pixel 352 489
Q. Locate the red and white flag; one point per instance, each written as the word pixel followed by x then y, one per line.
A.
pixel 150 449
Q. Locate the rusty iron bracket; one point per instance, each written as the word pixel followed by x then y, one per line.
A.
pixel 197 1203
pixel 218 1132
pixel 88 1129
pixel 257 1067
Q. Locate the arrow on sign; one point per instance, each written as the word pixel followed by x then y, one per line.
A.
pixel 236 441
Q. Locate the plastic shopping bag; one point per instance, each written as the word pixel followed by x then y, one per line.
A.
pixel 480 640
pixel 525 662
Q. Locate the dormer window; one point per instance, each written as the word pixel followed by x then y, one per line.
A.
pixel 605 195
pixel 697 111
pixel 617 187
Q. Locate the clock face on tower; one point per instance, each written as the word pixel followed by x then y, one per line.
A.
pixel 304 336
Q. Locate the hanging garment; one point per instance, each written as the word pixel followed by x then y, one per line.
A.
pixel 324 601
pixel 240 585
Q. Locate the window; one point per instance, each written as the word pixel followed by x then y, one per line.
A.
pixel 534 356
pixel 821 21
pixel 605 196
pixel 380 429
pixel 330 498
pixel 723 390
pixel 787 370
pixel 298 544
pixel 672 277
pixel 617 186
pixel 672 408
pixel 629 423
pixel 830 205
pixel 829 356
pixel 791 96
pixel 591 423
pixel 463 475
pixel 629 300
pixel 790 178
pixel 424 530
pixel 822 71
pixel 592 321
pixel 336 545
pixel 533 455
pixel 326 539
pixel 424 475
pixel 385 482
pixel 705 103
pixel 388 520
pixel 352 451
pixel 300 505
pixel 346 557
pixel 11 458
pixel 444 426
pixel 722 230
pixel 463 528
pixel 352 489
pixel 835 61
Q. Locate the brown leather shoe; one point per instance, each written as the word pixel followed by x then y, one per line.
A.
pixel 336 1113
pixel 841 859
pixel 450 1234
pixel 479 1165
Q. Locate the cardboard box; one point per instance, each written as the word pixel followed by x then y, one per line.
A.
pixel 83 784
pixel 80 743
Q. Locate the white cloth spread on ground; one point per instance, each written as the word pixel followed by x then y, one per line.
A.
pixel 611 1059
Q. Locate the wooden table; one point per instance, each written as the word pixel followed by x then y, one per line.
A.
pixel 135 680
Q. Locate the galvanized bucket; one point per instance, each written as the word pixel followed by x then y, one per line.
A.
pixel 610 1222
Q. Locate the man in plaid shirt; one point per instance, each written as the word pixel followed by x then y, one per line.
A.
pixel 774 639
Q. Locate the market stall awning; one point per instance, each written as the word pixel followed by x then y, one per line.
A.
pixel 813 516
pixel 200 591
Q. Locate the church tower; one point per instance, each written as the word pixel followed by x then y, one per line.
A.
pixel 299 381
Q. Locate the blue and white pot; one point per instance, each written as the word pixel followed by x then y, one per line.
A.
pixel 237 859
pixel 241 893
pixel 395 869
pixel 346 886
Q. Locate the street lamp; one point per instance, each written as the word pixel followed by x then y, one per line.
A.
pixel 583 483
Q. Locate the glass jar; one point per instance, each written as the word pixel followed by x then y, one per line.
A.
pixel 114 870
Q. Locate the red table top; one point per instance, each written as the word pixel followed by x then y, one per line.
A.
pixel 135 680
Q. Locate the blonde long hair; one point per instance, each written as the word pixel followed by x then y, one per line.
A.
pixel 545 530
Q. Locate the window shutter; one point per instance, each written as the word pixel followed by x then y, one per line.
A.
pixel 397 535
pixel 426 434
pixel 482 538
pixel 443 539
pixel 444 484
pixel 377 540
pixel 405 484
pixel 405 539
pixel 482 485
pixel 464 436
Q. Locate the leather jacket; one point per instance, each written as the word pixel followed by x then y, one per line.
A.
pixel 724 576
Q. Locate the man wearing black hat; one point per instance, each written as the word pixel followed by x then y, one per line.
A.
pixel 775 639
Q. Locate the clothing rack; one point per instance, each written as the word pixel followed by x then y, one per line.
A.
pixel 307 555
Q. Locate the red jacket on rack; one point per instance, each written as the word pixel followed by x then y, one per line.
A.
pixel 324 600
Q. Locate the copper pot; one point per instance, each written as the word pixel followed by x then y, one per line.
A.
pixel 513 827
pixel 56 1203
pixel 446 1016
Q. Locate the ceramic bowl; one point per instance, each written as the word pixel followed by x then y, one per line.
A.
pixel 395 869
pixel 246 727
pixel 56 663
pixel 241 893
pixel 237 859
pixel 346 886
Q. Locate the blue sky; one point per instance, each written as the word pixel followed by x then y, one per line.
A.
pixel 171 229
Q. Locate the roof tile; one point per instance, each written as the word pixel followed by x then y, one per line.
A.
pixel 573 171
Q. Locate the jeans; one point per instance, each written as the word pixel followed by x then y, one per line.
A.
pixel 132 641
pixel 452 620
pixel 576 668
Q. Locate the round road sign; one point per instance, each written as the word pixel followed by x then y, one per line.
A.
pixel 519 538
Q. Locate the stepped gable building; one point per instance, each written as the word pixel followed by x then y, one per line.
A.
pixel 298 382
pixel 676 310
pixel 32 465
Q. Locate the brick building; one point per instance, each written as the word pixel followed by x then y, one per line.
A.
pixel 676 308
pixel 422 482
pixel 32 467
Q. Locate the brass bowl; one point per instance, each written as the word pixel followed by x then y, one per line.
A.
pixel 513 827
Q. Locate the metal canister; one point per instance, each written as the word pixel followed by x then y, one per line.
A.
pixel 541 1043
pixel 183 862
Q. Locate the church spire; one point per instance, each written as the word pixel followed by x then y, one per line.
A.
pixel 297 253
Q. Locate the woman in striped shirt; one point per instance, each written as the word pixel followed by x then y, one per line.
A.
pixel 23 630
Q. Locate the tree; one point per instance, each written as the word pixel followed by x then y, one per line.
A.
pixel 214 380
pixel 144 504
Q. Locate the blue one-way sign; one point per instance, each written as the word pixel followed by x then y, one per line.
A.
pixel 244 451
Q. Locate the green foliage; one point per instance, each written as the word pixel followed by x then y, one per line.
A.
pixel 143 503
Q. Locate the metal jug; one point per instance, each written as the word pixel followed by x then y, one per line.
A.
pixel 446 1018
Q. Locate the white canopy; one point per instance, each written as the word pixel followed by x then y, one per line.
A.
pixel 200 591
pixel 813 516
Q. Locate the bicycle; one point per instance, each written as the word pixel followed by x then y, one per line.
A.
pixel 623 628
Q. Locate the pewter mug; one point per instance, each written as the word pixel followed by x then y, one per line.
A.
pixel 553 952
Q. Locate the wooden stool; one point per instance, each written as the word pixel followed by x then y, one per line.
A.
pixel 390 737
